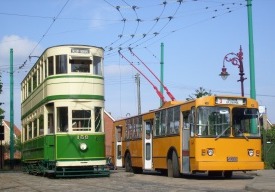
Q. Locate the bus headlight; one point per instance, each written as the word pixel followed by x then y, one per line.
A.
pixel 210 152
pixel 83 146
pixel 250 152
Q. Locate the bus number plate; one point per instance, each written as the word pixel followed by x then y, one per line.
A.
pixel 232 159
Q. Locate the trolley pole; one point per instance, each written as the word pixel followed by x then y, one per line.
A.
pixel 161 69
pixel 11 112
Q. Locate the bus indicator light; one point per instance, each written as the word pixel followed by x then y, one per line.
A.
pixel 203 152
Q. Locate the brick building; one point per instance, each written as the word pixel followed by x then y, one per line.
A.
pixel 4 148
pixel 108 126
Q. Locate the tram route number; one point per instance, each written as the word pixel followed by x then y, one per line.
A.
pixel 82 137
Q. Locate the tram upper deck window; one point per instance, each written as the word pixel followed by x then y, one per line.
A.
pixel 61 64
pixel 80 65
pixel 50 65
pixel 97 65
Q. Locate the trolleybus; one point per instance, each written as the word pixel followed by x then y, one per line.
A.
pixel 62 113
pixel 213 134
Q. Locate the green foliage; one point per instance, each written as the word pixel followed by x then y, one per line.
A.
pixel 18 143
pixel 2 111
pixel 270 134
pixel 199 93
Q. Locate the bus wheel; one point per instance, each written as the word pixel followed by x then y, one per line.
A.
pixel 176 171
pixel 173 166
pixel 228 174
pixel 137 170
pixel 128 163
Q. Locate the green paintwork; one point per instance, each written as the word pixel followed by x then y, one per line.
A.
pixel 11 110
pixel 68 147
pixel 251 50
pixel 64 147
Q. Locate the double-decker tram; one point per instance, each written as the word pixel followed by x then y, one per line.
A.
pixel 62 113
pixel 213 134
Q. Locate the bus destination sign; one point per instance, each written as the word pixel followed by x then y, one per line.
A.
pixel 233 101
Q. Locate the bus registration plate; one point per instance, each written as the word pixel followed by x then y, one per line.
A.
pixel 232 159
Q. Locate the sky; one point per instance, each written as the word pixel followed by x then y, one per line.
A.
pixel 196 34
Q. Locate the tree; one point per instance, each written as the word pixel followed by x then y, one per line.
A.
pixel 270 134
pixel 199 93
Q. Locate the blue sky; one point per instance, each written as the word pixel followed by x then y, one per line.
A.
pixel 196 36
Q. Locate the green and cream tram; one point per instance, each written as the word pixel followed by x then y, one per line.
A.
pixel 62 113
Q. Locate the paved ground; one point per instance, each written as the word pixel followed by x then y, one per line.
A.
pixel 119 180
pixel 264 181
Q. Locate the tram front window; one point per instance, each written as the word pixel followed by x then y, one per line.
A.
pixel 245 122
pixel 81 120
pixel 213 122
pixel 80 65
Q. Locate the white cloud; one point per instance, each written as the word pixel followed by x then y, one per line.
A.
pixel 22 47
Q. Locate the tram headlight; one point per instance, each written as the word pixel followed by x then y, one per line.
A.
pixel 250 152
pixel 83 146
pixel 210 152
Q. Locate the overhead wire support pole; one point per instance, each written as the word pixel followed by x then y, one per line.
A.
pixel 156 89
pixel 11 112
pixel 166 89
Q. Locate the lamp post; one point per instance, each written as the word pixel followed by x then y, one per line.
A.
pixel 237 60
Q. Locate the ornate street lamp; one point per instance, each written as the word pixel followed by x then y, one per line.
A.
pixel 237 60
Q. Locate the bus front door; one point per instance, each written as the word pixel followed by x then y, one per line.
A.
pixel 148 145
pixel 118 143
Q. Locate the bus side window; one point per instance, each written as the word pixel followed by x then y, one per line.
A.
pixel 186 123
pixel 191 118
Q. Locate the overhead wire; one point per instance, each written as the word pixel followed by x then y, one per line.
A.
pixel 158 35
pixel 43 36
pixel 226 11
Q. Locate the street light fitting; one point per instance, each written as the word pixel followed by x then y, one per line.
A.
pixel 224 74
pixel 237 60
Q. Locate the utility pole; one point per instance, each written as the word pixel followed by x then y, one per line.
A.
pixel 137 78
pixel 251 50
pixel 11 112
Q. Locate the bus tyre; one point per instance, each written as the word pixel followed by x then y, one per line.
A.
pixel 173 166
pixel 137 170
pixel 176 171
pixel 128 163
pixel 228 174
